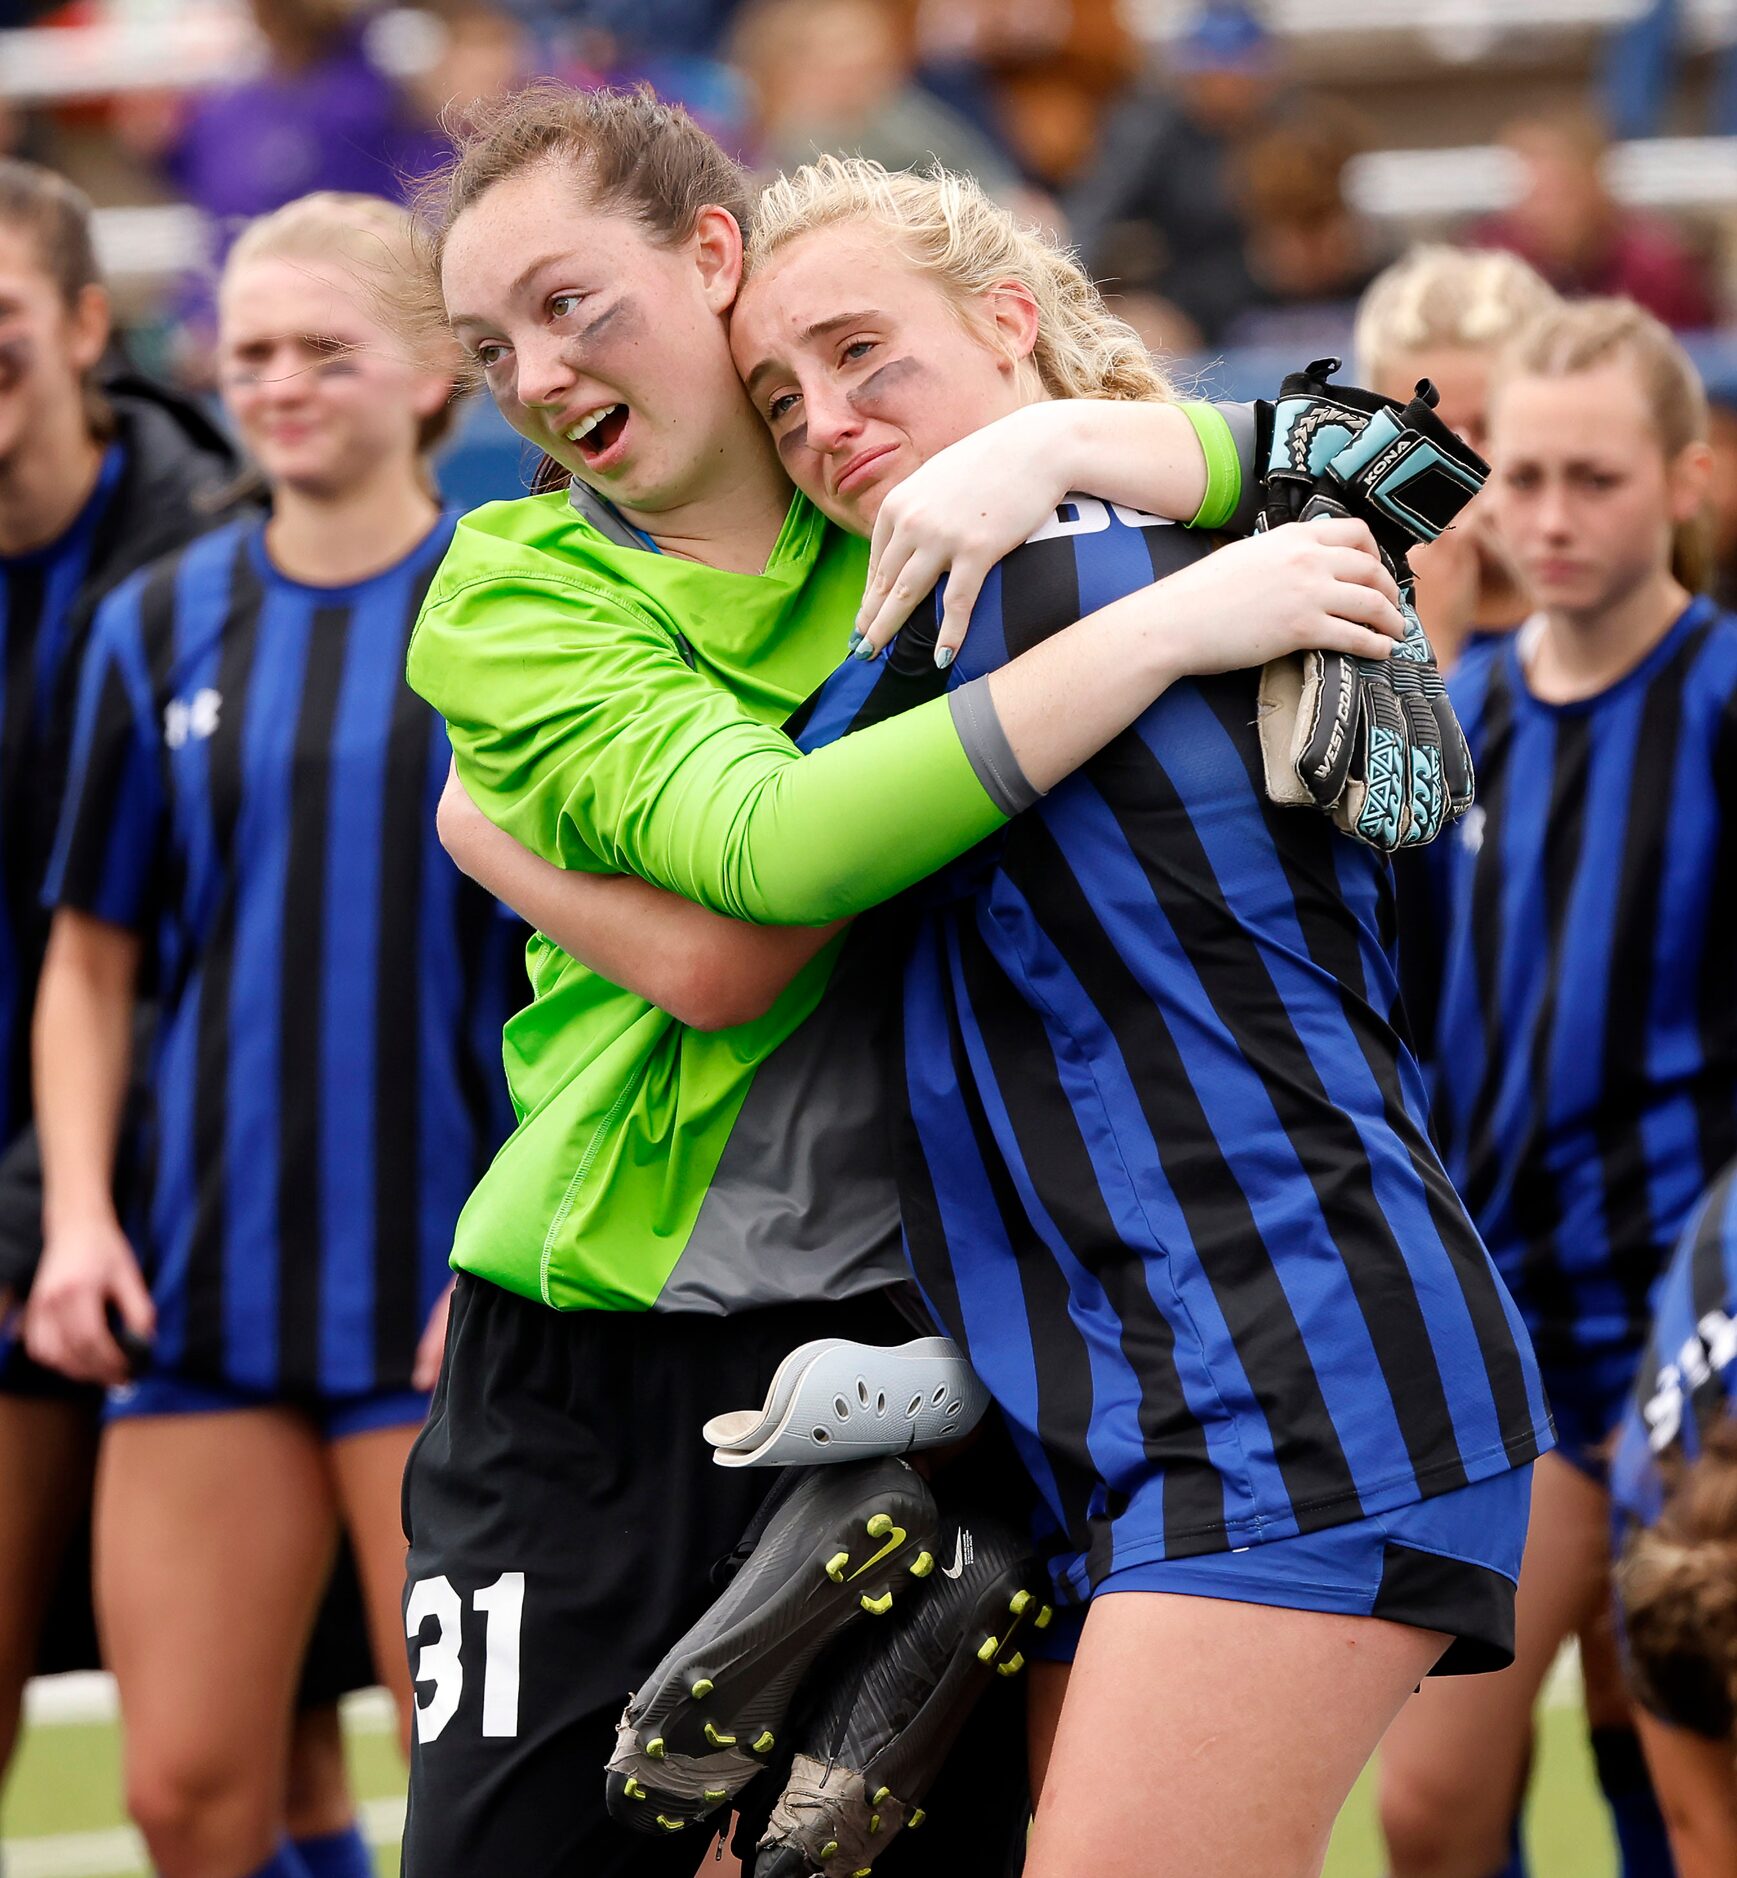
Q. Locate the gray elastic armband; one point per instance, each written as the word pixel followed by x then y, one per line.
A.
pixel 985 743
pixel 1244 427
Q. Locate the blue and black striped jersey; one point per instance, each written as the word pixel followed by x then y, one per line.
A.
pixel 161 480
pixel 1585 1052
pixel 45 609
pixel 1167 1176
pixel 1688 1376
pixel 253 789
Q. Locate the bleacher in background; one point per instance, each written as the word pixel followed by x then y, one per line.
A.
pixel 1435 80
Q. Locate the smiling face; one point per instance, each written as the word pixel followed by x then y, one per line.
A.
pixel 322 396
pixel 602 346
pixel 1583 493
pixel 864 367
pixel 46 347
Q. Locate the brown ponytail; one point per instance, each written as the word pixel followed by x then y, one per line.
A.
pixel 1677 1582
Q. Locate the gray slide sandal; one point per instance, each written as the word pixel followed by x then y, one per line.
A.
pixel 838 1401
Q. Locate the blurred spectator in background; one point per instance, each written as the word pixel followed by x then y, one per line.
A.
pixel 621 34
pixel 1037 75
pixel 1157 219
pixel 321 115
pixel 675 46
pixel 1642 63
pixel 836 75
pixel 1722 497
pixel 1308 252
pixel 1581 239
pixel 484 52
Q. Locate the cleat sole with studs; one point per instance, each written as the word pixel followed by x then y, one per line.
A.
pixel 898 1696
pixel 835 1552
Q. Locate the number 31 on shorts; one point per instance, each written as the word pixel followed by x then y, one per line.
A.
pixel 440 1659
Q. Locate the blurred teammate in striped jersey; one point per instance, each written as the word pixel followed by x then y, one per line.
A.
pixel 1673 1479
pixel 1585 1049
pixel 1444 314
pixel 250 825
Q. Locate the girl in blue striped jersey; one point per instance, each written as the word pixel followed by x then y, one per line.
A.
pixel 1585 1049
pixel 1446 314
pixel 97 476
pixel 250 823
pixel 1673 1484
pixel 1167 1177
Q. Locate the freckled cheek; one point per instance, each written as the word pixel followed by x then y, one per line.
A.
pixel 610 343
pixel 801 464
pixel 503 388
pixel 502 385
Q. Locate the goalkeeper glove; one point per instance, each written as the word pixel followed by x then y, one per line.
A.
pixel 1372 742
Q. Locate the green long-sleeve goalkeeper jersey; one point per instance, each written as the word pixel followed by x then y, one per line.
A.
pixel 617 710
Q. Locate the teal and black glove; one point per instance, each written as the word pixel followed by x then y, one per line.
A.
pixel 1372 742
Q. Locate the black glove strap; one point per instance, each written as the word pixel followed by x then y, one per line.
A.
pixel 1411 474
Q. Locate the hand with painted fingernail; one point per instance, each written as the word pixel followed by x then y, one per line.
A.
pixel 956 516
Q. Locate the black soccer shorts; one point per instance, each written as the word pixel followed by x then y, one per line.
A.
pixel 564 1518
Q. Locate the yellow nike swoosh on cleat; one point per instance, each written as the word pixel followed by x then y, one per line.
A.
pixel 893 1543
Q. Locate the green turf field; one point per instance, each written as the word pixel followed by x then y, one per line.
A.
pixel 62 1815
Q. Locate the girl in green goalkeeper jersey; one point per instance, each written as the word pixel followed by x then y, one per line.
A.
pixel 613 676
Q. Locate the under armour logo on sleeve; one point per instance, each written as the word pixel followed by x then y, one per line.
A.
pixel 194 717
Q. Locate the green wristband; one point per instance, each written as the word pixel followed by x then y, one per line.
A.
pixel 1223 467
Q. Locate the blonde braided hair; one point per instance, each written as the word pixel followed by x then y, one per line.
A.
pixel 1439 296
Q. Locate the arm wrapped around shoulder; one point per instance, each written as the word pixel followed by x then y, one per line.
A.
pixel 1372 742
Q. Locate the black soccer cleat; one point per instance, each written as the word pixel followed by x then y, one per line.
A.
pixel 703 1724
pixel 895 1699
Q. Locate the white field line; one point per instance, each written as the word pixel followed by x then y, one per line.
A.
pixel 120 1853
pixel 88 1696
pixel 75 1854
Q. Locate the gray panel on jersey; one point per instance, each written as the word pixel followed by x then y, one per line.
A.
pixel 804 1205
